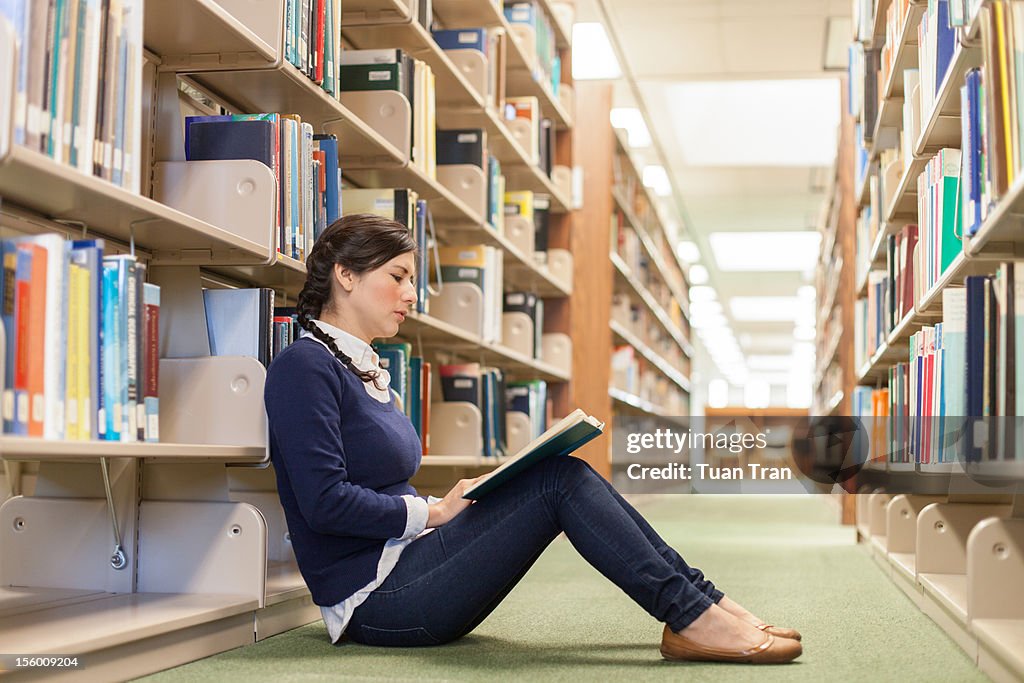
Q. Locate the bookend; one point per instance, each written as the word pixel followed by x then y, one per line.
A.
pixel 901 537
pixel 456 428
pixel 517 431
pixel 943 530
pixel 387 112
pixel 236 195
pixel 567 97
pixel 460 304
pixel 526 36
pixel 560 265
pixel 522 132
pixel 994 562
pixel 468 183
pixel 522 233
pixel 561 176
pixel 556 350
pixel 473 65
pixel 517 333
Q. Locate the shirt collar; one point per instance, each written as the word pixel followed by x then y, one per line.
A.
pixel 361 353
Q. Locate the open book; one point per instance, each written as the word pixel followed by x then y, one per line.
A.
pixel 561 439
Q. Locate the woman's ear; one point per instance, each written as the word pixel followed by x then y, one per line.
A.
pixel 345 277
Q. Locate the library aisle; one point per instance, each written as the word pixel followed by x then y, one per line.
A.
pixel 346 338
pixel 848 607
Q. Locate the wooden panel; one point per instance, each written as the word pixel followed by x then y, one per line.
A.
pixel 590 305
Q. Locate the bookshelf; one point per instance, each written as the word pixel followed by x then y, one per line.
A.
pixel 650 312
pixel 207 563
pixel 938 548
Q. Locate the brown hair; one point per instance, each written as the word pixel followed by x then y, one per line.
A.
pixel 359 242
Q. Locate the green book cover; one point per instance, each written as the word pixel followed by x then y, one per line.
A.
pixel 359 77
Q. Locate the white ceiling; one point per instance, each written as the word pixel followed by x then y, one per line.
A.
pixel 667 42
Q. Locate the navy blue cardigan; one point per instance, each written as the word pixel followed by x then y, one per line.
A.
pixel 343 461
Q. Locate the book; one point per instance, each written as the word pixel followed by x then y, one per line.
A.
pixel 563 438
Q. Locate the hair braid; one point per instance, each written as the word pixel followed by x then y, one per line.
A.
pixel 359 242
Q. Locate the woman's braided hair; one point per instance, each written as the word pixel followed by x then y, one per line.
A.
pixel 359 242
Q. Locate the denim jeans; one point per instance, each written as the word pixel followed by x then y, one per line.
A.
pixel 448 581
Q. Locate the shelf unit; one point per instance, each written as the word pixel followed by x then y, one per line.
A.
pixel 145 618
pixel 939 549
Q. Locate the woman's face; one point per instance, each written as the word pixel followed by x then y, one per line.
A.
pixel 380 299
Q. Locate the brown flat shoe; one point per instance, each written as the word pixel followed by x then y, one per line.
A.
pixel 772 651
pixel 780 631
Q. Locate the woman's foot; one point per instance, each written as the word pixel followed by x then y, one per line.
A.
pixel 737 610
pixel 718 636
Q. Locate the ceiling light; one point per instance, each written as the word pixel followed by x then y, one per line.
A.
pixel 698 275
pixel 803 349
pixel 764 308
pixel 656 178
pixel 765 251
pixel 718 393
pixel 632 120
pixel 804 333
pixel 767 123
pixel 757 394
pixel 688 251
pixel 702 293
pixel 592 55
pixel 807 293
pixel 714 320
pixel 701 308
pixel 773 362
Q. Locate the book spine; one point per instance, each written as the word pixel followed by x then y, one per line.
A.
pixel 151 392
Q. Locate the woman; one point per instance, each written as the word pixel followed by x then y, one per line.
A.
pixel 389 567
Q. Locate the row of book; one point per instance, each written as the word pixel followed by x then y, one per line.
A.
pixel 966 367
pixel 396 70
pixel 539 27
pixel 635 375
pixel 305 166
pixel 641 322
pixel 78 83
pixel 312 40
pixel 82 342
pixel 414 383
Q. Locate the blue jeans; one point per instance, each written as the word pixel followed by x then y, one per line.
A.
pixel 448 581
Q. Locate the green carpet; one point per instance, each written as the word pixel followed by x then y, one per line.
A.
pixel 784 558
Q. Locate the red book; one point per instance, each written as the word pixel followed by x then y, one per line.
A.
pixel 318 42
pixel 31 325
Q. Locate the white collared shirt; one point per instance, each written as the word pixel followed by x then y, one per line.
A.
pixel 364 358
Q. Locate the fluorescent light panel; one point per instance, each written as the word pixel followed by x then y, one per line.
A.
pixel 765 251
pixel 632 120
pixel 592 54
pixel 656 178
pixel 756 123
pixel 764 308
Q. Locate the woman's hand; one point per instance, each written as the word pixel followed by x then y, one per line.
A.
pixel 451 505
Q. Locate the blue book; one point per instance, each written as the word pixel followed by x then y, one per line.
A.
pixel 945 43
pixel 112 347
pixel 119 169
pixel 461 39
pixel 415 402
pixel 978 287
pixel 329 145
pixel 563 438
pixel 462 146
pixel 220 139
pixel 9 266
pixel 234 320
pixel 422 277
pixel 976 165
pixel 395 358
pixel 521 13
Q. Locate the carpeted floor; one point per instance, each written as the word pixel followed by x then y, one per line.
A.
pixel 784 558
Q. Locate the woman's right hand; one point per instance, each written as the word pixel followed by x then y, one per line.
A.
pixel 451 505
